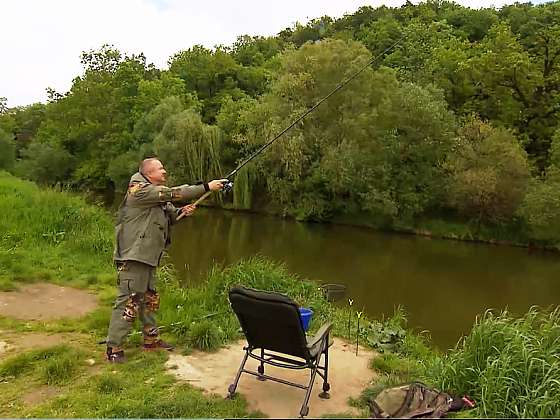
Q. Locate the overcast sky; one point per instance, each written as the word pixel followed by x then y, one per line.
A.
pixel 41 41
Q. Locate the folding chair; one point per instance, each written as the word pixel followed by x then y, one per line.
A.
pixel 271 322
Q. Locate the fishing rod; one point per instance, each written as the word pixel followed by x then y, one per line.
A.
pixel 228 185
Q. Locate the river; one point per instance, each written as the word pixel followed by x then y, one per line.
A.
pixel 441 284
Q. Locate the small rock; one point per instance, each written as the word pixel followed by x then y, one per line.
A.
pixel 4 347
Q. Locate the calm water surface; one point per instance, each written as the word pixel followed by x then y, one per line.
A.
pixel 442 284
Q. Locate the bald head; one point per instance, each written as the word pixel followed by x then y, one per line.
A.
pixel 146 164
pixel 153 169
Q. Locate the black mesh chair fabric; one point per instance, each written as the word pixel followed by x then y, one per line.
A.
pixel 270 320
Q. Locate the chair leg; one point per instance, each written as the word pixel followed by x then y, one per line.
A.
pixel 326 386
pixel 305 407
pixel 233 386
pixel 260 368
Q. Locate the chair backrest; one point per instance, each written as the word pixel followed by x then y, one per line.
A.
pixel 270 320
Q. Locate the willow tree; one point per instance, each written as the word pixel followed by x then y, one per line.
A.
pixel 190 148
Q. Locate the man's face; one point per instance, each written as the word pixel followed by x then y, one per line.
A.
pixel 157 173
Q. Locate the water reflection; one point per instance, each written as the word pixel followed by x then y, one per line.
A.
pixel 442 285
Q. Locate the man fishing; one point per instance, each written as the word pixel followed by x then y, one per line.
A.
pixel 142 235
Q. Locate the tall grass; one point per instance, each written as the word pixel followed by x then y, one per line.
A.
pixel 51 235
pixel 201 317
pixel 510 366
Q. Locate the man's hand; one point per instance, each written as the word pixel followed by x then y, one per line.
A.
pixel 188 210
pixel 216 184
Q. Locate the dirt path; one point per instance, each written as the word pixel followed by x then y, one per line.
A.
pixel 349 375
pixel 45 301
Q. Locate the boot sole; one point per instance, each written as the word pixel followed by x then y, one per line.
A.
pixel 157 349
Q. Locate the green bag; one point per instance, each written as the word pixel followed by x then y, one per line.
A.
pixel 415 400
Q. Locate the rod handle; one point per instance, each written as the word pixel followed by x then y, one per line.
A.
pixel 202 198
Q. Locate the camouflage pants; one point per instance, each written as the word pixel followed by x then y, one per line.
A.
pixel 137 298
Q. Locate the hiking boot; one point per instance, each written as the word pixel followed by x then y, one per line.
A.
pixel 115 355
pixel 158 345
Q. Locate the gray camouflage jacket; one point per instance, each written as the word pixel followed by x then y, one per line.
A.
pixel 145 216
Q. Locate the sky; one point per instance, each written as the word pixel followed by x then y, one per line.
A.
pixel 41 41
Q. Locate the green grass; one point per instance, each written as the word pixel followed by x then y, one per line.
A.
pixel 140 388
pixel 52 236
pixel 510 366
pixel 53 365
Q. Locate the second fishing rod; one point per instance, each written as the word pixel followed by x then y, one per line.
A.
pixel 228 185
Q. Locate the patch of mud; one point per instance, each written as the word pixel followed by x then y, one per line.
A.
pixel 45 301
pixel 348 375
pixel 39 395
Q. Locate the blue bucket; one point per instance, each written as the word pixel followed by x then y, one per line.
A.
pixel 306 315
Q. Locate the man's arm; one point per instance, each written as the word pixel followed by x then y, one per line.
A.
pixel 143 194
pixel 146 195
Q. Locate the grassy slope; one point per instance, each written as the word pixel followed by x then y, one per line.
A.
pixel 52 236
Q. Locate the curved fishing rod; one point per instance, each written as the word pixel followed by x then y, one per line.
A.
pixel 229 184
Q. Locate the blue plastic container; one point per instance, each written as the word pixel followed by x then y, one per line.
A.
pixel 306 315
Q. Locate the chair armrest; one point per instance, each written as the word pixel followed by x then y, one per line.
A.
pixel 320 334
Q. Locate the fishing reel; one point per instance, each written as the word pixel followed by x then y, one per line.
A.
pixel 227 186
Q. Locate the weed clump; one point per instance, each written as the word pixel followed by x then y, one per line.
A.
pixel 205 335
pixel 109 384
pixel 54 365
pixel 59 369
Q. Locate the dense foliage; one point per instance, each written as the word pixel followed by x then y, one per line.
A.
pixel 458 121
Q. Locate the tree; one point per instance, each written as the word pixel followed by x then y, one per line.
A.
pixel 189 147
pixel 364 135
pixel 45 164
pixel 540 208
pixel 8 147
pixel 488 173
pixel 210 74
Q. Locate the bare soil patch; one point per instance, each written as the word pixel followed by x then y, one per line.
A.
pixel 45 301
pixel 348 375
pixel 39 395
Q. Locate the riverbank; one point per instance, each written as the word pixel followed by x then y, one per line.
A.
pixel 449 228
pixel 509 366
